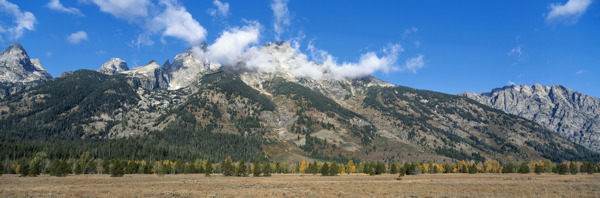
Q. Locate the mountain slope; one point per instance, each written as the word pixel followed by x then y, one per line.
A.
pixel 573 115
pixel 231 111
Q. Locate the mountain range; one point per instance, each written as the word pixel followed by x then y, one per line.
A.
pixel 200 109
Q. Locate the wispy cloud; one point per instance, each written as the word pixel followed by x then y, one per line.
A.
pixel 77 37
pixel 511 83
pixel 414 64
pixel 568 13
pixel 57 6
pixel 23 21
pixel 221 10
pixel 581 71
pixel 282 17
pixel 517 52
pixel 408 32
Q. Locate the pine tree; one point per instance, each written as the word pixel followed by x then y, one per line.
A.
pixel 524 168
pixel 366 167
pixel 562 169
pixel 90 167
pixel 573 168
pixel 227 168
pixel 23 167
pixel 118 169
pixel 538 169
pixel 266 169
pixel 508 168
pixel 64 168
pixel 313 168
pixel 472 169
pixel 35 167
pixel 1 168
pixel 208 169
pixel 588 168
pixel 257 170
pixel 105 166
pixel 325 169
pixel 333 169
pixel 240 171
pixel 380 168
pixel 78 167
pixel 393 168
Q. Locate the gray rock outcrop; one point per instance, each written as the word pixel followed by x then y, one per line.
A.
pixel 17 67
pixel 573 115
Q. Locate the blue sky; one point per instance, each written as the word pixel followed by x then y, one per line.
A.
pixel 445 46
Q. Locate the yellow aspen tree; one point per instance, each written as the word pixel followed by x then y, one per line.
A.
pixel 424 168
pixel 342 169
pixel 496 165
pixel 441 168
pixel 480 167
pixel 350 167
pixel 303 167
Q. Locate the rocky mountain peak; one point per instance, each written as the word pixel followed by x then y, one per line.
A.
pixel 573 115
pixel 15 49
pixel 113 66
pixel 186 67
pixel 16 67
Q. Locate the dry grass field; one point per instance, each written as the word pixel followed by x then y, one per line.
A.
pixel 294 185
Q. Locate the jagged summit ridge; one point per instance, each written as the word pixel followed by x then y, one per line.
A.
pixel 573 115
pixel 17 67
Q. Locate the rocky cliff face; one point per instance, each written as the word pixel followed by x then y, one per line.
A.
pixel 18 71
pixel 572 114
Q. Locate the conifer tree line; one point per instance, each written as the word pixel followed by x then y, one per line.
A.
pixel 85 164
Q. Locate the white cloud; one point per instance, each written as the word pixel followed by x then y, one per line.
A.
pixel 56 5
pixel 177 22
pixel 124 9
pixel 168 17
pixel 569 13
pixel 368 64
pixel 511 83
pixel 414 64
pixel 581 71
pixel 48 53
pixel 23 21
pixel 238 47
pixel 516 52
pixel 282 16
pixel 229 47
pixel 222 9
pixel 77 37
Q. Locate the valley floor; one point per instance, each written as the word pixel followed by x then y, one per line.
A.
pixel 295 185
